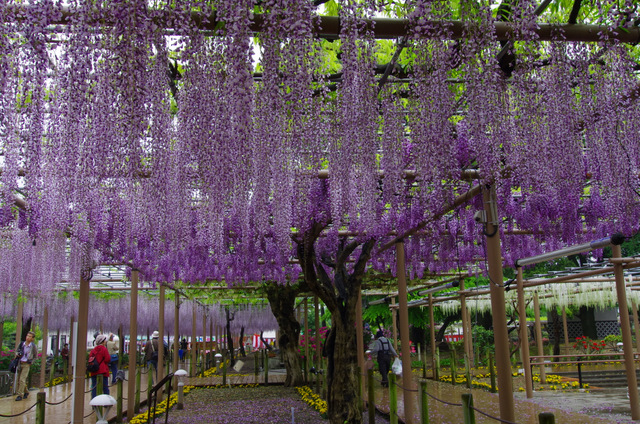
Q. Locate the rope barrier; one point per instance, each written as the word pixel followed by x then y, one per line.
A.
pixel 58 403
pixel 492 417
pixel 90 414
pixel 92 388
pixel 21 413
pixel 443 401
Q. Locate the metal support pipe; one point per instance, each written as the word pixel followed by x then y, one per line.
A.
pixel 625 327
pixel 407 381
pixel 500 332
pixel 524 336
pixel 616 238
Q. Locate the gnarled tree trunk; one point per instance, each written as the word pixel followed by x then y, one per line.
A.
pixel 340 292
pixel 282 300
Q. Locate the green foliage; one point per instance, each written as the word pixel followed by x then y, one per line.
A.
pixel 482 338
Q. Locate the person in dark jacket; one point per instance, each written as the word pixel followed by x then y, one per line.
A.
pixel 385 352
pixel 101 354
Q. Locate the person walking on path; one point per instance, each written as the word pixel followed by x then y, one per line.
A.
pixel 151 351
pixel 65 354
pixel 385 352
pixel 27 352
pixel 113 348
pixel 183 348
pixel 101 353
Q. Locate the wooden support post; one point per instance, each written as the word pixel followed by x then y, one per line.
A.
pixel 466 330
pixel 136 391
pixel 492 372
pixel 360 342
pixel 524 336
pixel 403 314
pixel 306 341
pixel 371 396
pixel 176 331
pixel 467 409
pixel 393 400
pixel 71 347
pixel 424 402
pixel 636 324
pixel 80 367
pixel 133 348
pixel 565 328
pixel 194 341
pixel 625 328
pixel 45 339
pixel 539 342
pixel 120 400
pixel 318 356
pixel 394 324
pixel 546 418
pixel 161 353
pixel 498 312
pixel 432 333
pixel 454 366
pixel 41 398
pixel 19 314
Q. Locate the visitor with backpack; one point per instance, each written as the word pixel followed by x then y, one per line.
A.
pixel 98 364
pixel 151 351
pixel 27 352
pixel 385 352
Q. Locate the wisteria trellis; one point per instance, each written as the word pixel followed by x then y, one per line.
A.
pixel 209 183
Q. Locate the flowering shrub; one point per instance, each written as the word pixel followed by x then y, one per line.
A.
pixel 585 345
pixel 311 339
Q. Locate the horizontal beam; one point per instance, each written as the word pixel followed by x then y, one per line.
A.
pixel 330 27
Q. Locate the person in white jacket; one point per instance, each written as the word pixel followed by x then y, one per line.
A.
pixel 113 346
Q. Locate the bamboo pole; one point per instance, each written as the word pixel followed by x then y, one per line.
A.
pixel 19 323
pixel 466 331
pixel 394 324
pixel 192 371
pixel 306 341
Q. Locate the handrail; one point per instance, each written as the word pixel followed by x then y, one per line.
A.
pixel 152 399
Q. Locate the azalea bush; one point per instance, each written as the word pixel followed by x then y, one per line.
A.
pixel 312 340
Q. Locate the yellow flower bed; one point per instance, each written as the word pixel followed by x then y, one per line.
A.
pixel 56 381
pixel 314 400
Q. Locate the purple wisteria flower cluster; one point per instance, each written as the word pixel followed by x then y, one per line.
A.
pixel 162 135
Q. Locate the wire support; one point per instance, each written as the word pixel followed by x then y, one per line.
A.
pixel 21 413
pixel 58 403
pixel 443 401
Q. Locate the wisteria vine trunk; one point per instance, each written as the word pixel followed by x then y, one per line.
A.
pixel 340 292
pixel 282 299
